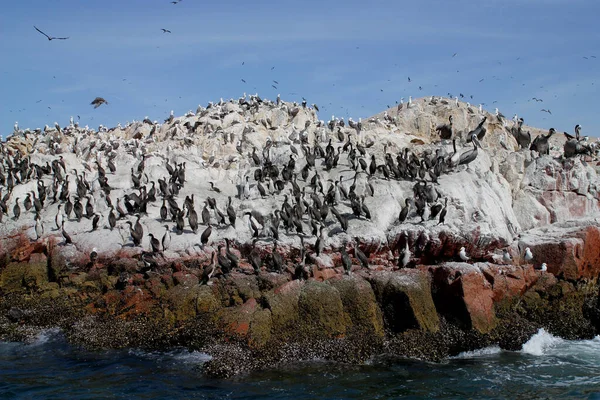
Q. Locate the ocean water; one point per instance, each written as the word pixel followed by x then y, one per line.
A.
pixel 546 367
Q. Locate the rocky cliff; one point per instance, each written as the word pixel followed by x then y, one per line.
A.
pixel 105 290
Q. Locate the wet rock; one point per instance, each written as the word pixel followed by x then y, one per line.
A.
pixel 320 310
pixel 405 300
pixel 463 295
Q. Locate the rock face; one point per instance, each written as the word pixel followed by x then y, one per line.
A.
pixel 312 305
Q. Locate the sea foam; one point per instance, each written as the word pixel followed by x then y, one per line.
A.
pixel 541 343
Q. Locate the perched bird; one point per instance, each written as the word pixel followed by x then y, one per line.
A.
pixel 65 234
pixel 528 254
pixel 98 101
pixel 50 37
pixel 506 256
pixel 166 239
pixel 462 254
pixel 154 243
pixel 93 256
pixel 543 267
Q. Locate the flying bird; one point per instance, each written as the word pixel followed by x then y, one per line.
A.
pixel 165 30
pixel 277 83
pixel 50 37
pixel 273 86
pixel 243 81
pixel 454 55
pixel 98 101
pixel 544 110
pixel 409 78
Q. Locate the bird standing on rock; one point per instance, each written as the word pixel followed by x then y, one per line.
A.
pixel 528 255
pixel 462 254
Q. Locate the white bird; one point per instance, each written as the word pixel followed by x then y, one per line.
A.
pixel 39 228
pixel 462 254
pixel 59 218
pixel 16 126
pixel 506 256
pixel 166 239
pixel 544 267
pixel 528 254
pixel 405 256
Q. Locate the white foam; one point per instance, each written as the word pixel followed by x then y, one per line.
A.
pixel 192 357
pixel 178 356
pixel 45 335
pixel 486 351
pixel 541 343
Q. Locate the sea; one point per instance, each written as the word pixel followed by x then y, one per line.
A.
pixel 547 367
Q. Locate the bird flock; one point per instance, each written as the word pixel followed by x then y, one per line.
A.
pixel 321 179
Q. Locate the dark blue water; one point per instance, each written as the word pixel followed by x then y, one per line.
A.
pixel 547 367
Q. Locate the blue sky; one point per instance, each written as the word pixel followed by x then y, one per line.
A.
pixel 352 58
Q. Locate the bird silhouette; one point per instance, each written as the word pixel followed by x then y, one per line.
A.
pixel 98 101
pixel 165 30
pixel 50 37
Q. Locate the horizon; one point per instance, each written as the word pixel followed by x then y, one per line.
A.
pixel 350 60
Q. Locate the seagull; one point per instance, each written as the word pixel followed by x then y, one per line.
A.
pixel 544 110
pixel 528 254
pixel 462 254
pixel 50 37
pixel 506 256
pixel 165 30
pixel 98 101
pixel 544 267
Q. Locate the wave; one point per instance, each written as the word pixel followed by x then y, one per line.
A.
pixel 45 336
pixel 179 356
pixel 541 343
pixel 486 351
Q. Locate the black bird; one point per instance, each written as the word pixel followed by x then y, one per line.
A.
pixel 404 211
pixel 95 222
pixel 135 235
pixel 65 234
pixel 346 261
pixel 112 219
pixel 540 144
pixel 209 269
pixel 205 235
pixel 98 101
pixel 231 213
pixel 17 209
pixel 154 243
pixel 231 256
pixel 50 37
pixel 360 256
pixel 165 30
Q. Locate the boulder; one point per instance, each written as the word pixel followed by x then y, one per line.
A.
pixel 405 300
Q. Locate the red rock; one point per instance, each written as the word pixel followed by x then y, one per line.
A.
pixel 288 287
pixel 323 274
pixel 573 255
pixel 464 294
pixel 184 278
pixel 36 258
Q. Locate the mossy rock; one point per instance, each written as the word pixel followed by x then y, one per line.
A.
pixel 359 303
pixel 206 302
pixel 183 301
pixel 283 303
pixel 406 301
pixel 321 310
pixel 17 277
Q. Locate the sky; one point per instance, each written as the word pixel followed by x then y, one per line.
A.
pixel 351 58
